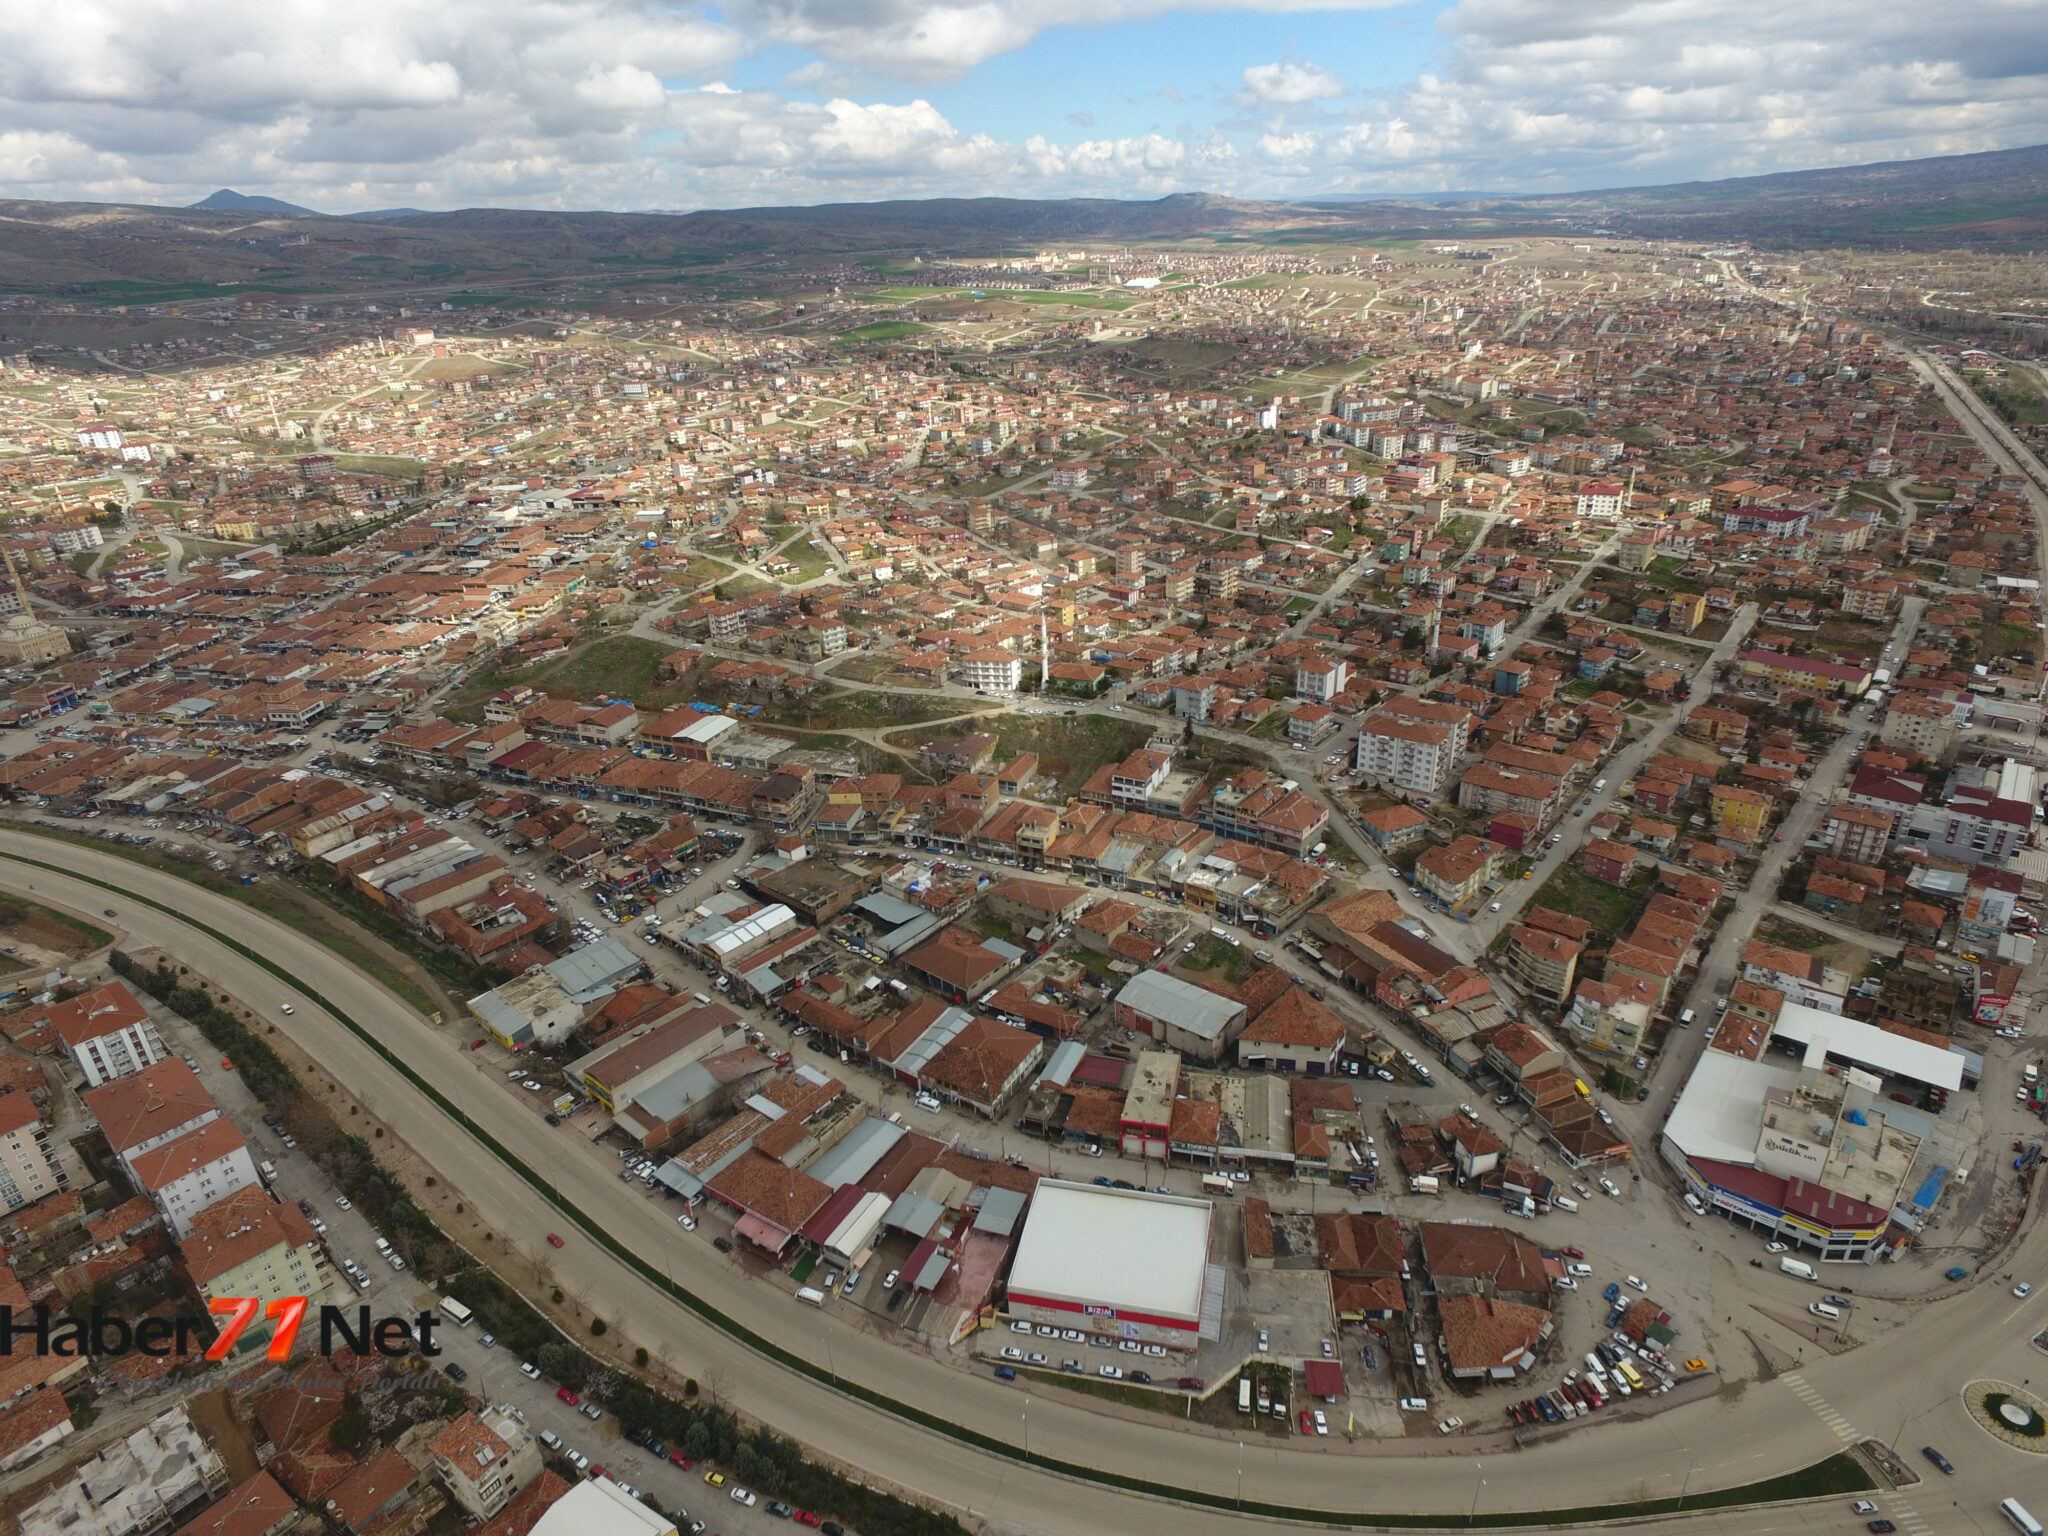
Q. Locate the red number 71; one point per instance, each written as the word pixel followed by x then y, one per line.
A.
pixel 240 1311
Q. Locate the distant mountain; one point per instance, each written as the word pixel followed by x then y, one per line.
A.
pixel 1993 201
pixel 226 201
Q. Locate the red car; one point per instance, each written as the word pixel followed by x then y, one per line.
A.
pixel 805 1517
pixel 554 1241
pixel 1573 1253
pixel 596 1472
pixel 477 1044
pixel 680 1459
pixel 1308 1425
pixel 567 1396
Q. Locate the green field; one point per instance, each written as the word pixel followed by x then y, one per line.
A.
pixel 1609 908
pixel 1069 746
pixel 883 330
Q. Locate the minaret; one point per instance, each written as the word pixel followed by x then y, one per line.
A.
pixel 1044 655
pixel 14 577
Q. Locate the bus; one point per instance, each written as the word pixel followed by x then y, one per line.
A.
pixel 1244 1397
pixel 455 1312
pixel 2022 1522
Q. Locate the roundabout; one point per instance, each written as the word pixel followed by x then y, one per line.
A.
pixel 2010 1412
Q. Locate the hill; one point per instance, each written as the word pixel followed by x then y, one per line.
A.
pixel 239 202
pixel 1997 200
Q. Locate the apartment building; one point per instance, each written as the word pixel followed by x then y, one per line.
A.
pixel 107 1033
pixel 1413 754
pixel 1321 679
pixel 29 1168
pixel 173 1140
pixel 991 669
pixel 250 1245
pixel 485 1459
pixel 1544 964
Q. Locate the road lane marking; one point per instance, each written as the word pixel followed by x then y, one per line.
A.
pixel 1822 1408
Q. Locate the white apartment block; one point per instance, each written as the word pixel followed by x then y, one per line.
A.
pixel 485 1459
pixel 107 1032
pixel 1322 680
pixel 992 668
pixel 29 1169
pixel 1413 754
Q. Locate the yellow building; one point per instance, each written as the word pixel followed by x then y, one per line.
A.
pixel 1739 809
pixel 250 1245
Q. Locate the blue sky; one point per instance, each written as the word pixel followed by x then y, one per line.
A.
pixel 630 104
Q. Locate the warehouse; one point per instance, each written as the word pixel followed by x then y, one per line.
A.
pixel 1192 1020
pixel 1124 1263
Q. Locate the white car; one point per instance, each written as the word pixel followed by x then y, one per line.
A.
pixel 1111 1372
pixel 1012 1352
pixel 1607 1187
pixel 1583 1271
pixel 1567 1283
pixel 1638 1283
pixel 2024 1289
pixel 741 1496
pixel 1020 1327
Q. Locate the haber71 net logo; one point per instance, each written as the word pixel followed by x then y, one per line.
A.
pixel 101 1334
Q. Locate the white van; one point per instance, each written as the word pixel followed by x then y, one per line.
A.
pixel 1822 1309
pixel 810 1296
pixel 1564 1202
pixel 1685 1019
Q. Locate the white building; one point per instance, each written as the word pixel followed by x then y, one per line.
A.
pixel 107 1032
pixel 29 1168
pixel 139 1484
pixel 600 1508
pixel 485 1459
pixel 1122 1264
pixel 173 1140
pixel 1321 680
pixel 1416 755
pixel 993 669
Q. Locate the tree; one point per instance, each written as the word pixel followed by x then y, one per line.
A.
pixel 351 1427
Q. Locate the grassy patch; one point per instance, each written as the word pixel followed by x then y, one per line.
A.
pixel 1069 747
pixel 1790 935
pixel 287 904
pixel 883 330
pixel 1212 954
pixel 16 913
pixel 810 562
pixel 1609 908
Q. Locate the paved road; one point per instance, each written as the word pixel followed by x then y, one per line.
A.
pixel 1700 1446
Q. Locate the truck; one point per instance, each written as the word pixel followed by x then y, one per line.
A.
pixel 1216 1184
pixel 1797 1268
pixel 1424 1184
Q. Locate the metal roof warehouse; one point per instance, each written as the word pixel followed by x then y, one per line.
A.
pixel 1134 1262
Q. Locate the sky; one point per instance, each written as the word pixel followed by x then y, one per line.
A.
pixel 347 105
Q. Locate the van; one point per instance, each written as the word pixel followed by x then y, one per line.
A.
pixel 1244 1394
pixel 383 1245
pixel 701 998
pixel 268 1170
pixel 1598 785
pixel 1822 1309
pixel 1797 1268
pixel 1693 1202
pixel 2031 1072
pixel 810 1296
pixel 1564 1202
pixel 1685 1019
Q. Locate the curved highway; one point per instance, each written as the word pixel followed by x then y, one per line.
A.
pixel 1908 1385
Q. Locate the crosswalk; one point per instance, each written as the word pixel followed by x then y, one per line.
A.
pixel 1901 1513
pixel 1823 1409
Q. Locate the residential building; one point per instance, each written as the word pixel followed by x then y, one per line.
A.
pixel 991 669
pixel 29 1165
pixel 108 1033
pixel 485 1459
pixel 252 1245
pixel 1414 755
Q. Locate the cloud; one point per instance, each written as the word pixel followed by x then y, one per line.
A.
pixel 344 104
pixel 943 39
pixel 1290 84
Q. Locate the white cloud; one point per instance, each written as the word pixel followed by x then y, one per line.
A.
pixel 1289 84
pixel 943 39
pixel 627 103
